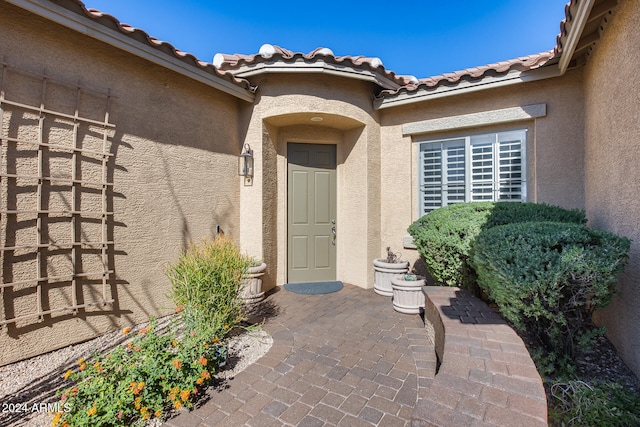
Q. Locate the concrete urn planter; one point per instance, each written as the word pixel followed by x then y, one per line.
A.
pixel 251 291
pixel 407 294
pixel 383 272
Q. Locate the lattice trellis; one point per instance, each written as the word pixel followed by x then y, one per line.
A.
pixel 40 198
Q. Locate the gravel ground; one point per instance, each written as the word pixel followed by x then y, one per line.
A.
pixel 602 363
pixel 35 381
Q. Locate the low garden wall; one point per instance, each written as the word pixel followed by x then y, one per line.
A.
pixel 486 376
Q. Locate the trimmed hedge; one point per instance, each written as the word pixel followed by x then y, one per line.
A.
pixel 444 236
pixel 547 278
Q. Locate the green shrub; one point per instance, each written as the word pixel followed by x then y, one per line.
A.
pixel 444 236
pixel 600 404
pixel 146 378
pixel 206 281
pixel 547 278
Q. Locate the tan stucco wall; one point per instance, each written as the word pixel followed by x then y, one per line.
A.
pixel 612 100
pixel 176 145
pixel 282 113
pixel 555 150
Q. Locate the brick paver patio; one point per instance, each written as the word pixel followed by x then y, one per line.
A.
pixel 345 359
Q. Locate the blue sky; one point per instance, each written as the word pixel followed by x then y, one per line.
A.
pixel 421 38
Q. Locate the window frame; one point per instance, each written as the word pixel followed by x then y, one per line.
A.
pixel 469 141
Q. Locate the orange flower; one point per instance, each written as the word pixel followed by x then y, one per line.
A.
pixel 142 331
pixel 144 410
pixel 129 345
pixel 184 395
pixel 158 413
pixel 177 404
pixel 226 326
pixel 146 416
pixel 92 411
pixel 83 366
pixel 74 390
pixel 125 331
pixel 65 424
pixel 179 308
pixel 81 361
pixel 203 361
pixel 96 365
pixel 174 343
pixel 205 375
pixel 215 340
pixel 136 348
pixel 63 397
pixel 67 374
pixel 56 419
pixel 177 363
pixel 199 381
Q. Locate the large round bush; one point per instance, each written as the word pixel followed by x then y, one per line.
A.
pixel 444 236
pixel 547 278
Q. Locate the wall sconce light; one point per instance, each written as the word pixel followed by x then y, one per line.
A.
pixel 245 162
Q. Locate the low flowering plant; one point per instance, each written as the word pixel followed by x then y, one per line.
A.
pixel 134 383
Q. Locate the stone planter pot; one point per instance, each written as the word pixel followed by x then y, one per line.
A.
pixel 383 272
pixel 407 294
pixel 252 284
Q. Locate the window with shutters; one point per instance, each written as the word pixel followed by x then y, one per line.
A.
pixel 479 167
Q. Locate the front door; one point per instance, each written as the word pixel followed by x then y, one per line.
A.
pixel 311 184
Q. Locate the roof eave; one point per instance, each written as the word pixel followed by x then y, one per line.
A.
pixel 573 37
pixel 69 19
pixel 466 86
pixel 318 66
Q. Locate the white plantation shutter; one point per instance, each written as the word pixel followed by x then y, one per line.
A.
pixel 487 167
pixel 510 175
pixel 430 177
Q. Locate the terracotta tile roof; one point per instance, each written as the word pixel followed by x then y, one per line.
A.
pixel 269 53
pixel 229 66
pixel 112 22
pixel 596 23
pixel 565 25
pixel 475 73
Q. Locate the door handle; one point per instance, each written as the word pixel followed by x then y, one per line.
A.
pixel 333 230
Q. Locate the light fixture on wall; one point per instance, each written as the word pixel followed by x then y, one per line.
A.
pixel 245 162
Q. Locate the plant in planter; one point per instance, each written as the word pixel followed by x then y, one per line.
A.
pixel 407 293
pixel 251 291
pixel 385 269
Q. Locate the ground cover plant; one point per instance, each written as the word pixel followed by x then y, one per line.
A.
pixel 159 371
pixel 143 379
pixel 595 404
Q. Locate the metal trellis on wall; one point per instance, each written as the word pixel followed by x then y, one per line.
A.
pixel 42 195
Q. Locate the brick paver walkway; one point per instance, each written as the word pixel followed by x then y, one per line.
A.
pixel 345 359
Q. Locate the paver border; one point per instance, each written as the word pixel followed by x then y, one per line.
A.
pixel 486 376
